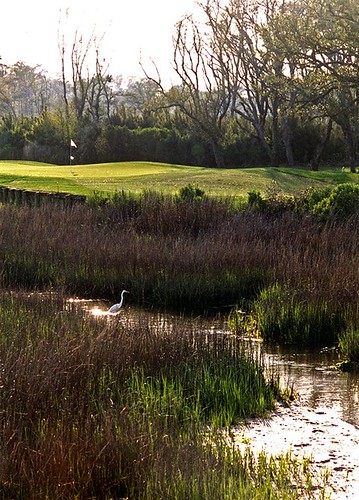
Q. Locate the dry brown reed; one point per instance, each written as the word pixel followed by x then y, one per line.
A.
pixel 189 255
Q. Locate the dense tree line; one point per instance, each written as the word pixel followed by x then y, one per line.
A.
pixel 260 82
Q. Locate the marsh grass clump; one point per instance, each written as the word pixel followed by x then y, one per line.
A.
pixel 119 407
pixel 348 343
pixel 220 470
pixel 286 315
pixel 349 350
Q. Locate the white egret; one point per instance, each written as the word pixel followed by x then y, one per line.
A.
pixel 116 307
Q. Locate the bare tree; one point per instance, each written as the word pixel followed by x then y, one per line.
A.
pixel 202 94
pixel 247 66
pixel 89 89
pixel 225 70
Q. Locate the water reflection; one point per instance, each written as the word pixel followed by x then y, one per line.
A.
pixel 312 372
pixel 319 383
pixel 95 311
pixel 93 307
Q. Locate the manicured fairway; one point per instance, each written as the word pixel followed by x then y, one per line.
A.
pixel 106 178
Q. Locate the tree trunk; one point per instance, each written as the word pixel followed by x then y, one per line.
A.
pixel 275 132
pixel 218 156
pixel 272 154
pixel 319 150
pixel 351 143
pixel 287 139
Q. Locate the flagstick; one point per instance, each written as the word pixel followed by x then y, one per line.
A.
pixel 72 145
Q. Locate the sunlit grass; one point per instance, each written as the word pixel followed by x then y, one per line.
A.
pixel 107 178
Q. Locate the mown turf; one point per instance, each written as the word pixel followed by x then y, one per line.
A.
pixel 107 178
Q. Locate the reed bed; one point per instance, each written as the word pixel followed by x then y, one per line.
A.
pixel 297 276
pixel 109 408
pixel 123 407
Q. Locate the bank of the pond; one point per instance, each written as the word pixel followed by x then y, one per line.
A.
pixel 320 433
pixel 20 197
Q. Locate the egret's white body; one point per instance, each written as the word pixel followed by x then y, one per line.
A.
pixel 116 307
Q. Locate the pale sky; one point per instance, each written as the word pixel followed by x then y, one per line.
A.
pixel 134 29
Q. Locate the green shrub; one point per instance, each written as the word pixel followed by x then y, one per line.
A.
pixel 256 200
pixel 307 199
pixel 190 192
pixel 341 203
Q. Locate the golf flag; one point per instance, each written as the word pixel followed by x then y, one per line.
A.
pixel 73 145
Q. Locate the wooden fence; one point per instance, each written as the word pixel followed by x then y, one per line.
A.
pixel 36 198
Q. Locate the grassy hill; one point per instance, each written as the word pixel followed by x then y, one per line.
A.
pixel 107 178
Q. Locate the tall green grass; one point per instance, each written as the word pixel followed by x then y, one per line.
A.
pixel 111 407
pixel 292 316
pixel 348 343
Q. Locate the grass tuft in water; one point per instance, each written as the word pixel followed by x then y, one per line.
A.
pixel 283 314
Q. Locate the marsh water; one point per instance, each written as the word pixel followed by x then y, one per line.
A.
pixel 315 377
pixel 322 423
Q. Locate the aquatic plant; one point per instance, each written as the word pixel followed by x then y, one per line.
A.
pixel 348 343
pixel 284 314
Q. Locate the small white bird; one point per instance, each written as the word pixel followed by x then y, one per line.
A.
pixel 116 307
